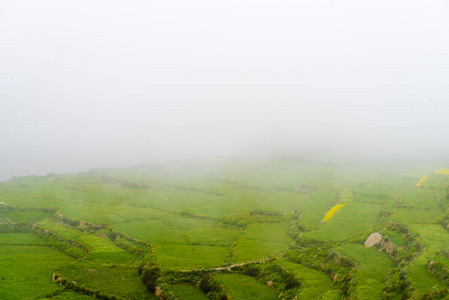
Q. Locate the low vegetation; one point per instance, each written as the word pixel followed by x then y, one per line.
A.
pixel 281 228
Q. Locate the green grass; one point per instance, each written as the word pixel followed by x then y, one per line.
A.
pixel 154 231
pixel 178 208
pixel 373 192
pixel 351 220
pixel 188 292
pixel 395 238
pixel 107 268
pixel 241 201
pixel 26 270
pixel 243 287
pixel 436 181
pixel 99 213
pixel 434 238
pixel 68 295
pixel 260 240
pixel 212 236
pixel 373 266
pixel 173 199
pixel 205 184
pixel 421 198
pixel 317 283
pixel 189 256
pixel 281 203
pixel 346 196
pixel 416 215
pixel 442 259
pixel 186 223
pixel 315 206
pixel 332 295
pixel 113 258
pixel 112 278
pixel 20 239
pixel 99 244
pixel 25 216
pixel 65 232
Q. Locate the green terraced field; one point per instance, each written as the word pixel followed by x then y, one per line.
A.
pixel 260 240
pixel 353 219
pixel 372 268
pixel 212 236
pixel 65 232
pixel 188 292
pixel 112 274
pixel 317 283
pixel 434 238
pixel 26 270
pixel 245 288
pixel 416 215
pixel 189 256
pixel 20 239
pixel 197 217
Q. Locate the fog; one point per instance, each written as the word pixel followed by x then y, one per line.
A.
pixel 87 84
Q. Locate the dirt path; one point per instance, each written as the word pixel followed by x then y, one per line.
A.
pixel 231 266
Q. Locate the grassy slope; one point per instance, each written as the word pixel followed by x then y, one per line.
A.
pixel 20 239
pixel 353 219
pixel 188 292
pixel 317 283
pixel 243 287
pixel 151 210
pixel 260 240
pixel 372 268
pixel 434 238
pixel 27 270
pixel 64 232
pixel 107 268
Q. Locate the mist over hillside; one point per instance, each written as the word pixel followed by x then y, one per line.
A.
pixel 86 85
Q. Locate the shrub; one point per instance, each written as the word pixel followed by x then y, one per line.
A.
pixel 149 277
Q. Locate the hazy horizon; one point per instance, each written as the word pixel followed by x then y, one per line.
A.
pixel 94 84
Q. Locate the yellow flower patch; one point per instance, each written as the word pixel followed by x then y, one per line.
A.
pixel 422 180
pixel 332 212
pixel 442 171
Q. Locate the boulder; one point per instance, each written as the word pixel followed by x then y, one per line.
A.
pixel 373 239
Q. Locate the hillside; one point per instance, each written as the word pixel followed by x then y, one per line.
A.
pixel 286 226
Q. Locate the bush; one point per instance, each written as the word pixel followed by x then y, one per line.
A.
pixel 252 270
pixel 291 281
pixel 141 268
pixel 435 293
pixel 205 283
pixel 149 277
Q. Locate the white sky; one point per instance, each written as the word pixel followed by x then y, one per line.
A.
pixel 101 83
